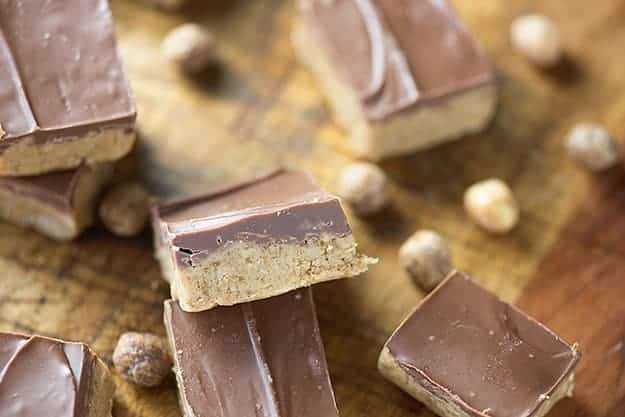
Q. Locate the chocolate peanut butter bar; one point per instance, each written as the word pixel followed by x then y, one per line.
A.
pixel 399 75
pixel 60 205
pixel 263 358
pixel 252 240
pixel 48 377
pixel 64 98
pixel 465 353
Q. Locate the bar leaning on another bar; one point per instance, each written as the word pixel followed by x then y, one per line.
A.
pixel 64 98
pixel 399 75
pixel 465 353
pixel 263 358
pixel 60 205
pixel 253 240
pixel 40 377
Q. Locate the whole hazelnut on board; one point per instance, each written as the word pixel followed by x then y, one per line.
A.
pixel 142 358
pixel 425 256
pixel 363 186
pixel 592 146
pixel 190 47
pixel 492 205
pixel 124 209
pixel 538 38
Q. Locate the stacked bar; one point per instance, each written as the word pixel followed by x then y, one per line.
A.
pixel 242 326
pixel 399 75
pixel 48 377
pixel 254 239
pixel 64 104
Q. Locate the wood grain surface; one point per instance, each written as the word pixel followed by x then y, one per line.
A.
pixel 258 108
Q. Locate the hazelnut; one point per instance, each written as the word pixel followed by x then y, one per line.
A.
pixel 124 209
pixel 425 256
pixel 538 38
pixel 190 47
pixel 142 358
pixel 592 146
pixel 363 186
pixel 492 205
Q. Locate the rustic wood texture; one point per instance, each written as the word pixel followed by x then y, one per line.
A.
pixel 259 108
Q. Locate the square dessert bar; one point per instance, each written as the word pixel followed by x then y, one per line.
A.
pixel 64 98
pixel 252 240
pixel 263 358
pixel 59 205
pixel 465 353
pixel 48 377
pixel 399 75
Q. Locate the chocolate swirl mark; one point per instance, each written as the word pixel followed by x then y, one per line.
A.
pixel 398 61
pixel 387 59
pixel 375 31
pixel 38 380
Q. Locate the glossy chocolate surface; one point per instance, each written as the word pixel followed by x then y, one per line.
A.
pixel 62 76
pixel 43 377
pixel 464 341
pixel 55 189
pixel 397 53
pixel 279 206
pixel 263 358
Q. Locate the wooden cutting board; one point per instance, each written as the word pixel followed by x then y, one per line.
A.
pixel 562 264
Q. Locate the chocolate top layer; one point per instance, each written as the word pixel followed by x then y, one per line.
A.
pixel 263 358
pixel 464 340
pixel 43 377
pixel 398 53
pixel 55 188
pixel 282 205
pixel 62 76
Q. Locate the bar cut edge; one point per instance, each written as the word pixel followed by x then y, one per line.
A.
pixel 444 403
pixel 101 390
pixel 28 212
pixel 27 157
pixel 187 410
pixel 278 267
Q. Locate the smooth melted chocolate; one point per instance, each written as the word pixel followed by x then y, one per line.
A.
pixel 263 358
pixel 43 377
pixel 464 340
pixel 280 206
pixel 61 74
pixel 398 53
pixel 56 188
